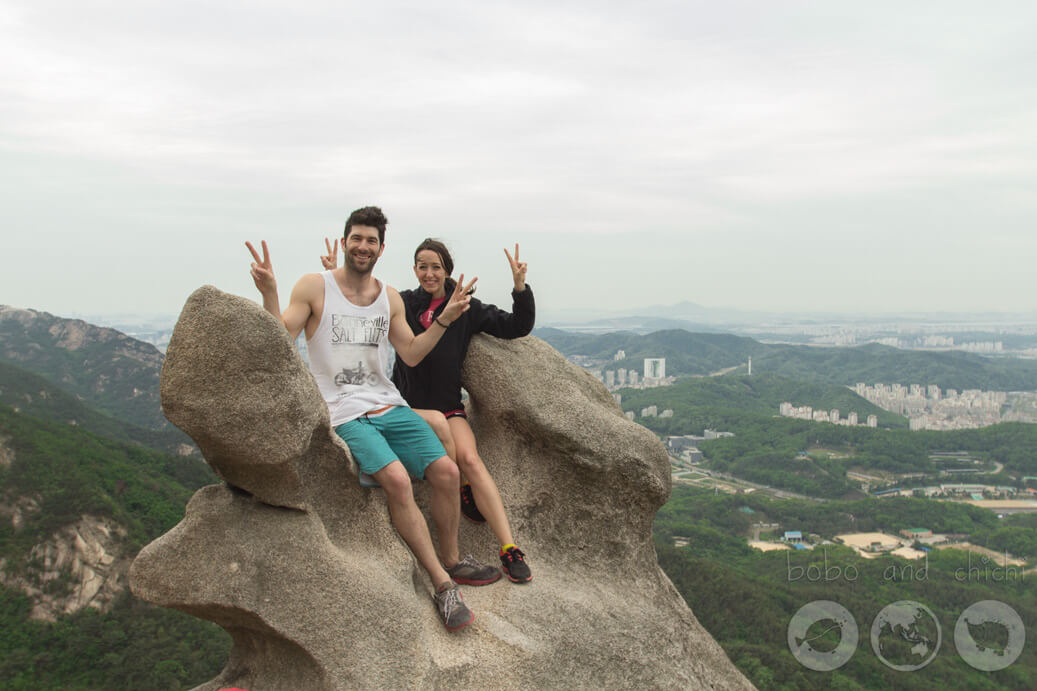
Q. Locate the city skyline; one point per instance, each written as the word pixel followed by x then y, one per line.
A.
pixel 794 158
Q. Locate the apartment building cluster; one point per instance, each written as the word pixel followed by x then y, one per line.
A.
pixel 929 407
pixel 620 378
pixel 654 374
pixel 805 412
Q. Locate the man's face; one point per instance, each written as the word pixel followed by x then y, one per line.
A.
pixel 362 249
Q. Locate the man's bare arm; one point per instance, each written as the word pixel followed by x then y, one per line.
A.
pixel 413 349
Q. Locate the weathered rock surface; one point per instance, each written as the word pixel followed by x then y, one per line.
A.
pixel 303 568
pixel 6 452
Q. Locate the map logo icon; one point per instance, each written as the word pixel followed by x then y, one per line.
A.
pixel 1000 632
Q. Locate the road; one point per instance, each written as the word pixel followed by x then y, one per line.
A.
pixel 779 493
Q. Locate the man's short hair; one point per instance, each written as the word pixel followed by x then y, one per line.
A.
pixel 368 216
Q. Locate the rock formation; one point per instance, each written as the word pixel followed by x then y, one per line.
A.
pixel 80 565
pixel 302 567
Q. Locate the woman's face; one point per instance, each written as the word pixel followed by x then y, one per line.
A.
pixel 430 273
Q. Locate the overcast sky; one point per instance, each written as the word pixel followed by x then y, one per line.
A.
pixel 873 156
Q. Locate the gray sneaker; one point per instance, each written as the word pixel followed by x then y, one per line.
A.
pixel 468 571
pixel 452 609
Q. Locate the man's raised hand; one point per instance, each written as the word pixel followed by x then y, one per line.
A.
pixel 518 269
pixel 459 300
pixel 262 270
pixel 330 260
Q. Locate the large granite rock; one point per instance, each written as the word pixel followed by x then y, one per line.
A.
pixel 302 567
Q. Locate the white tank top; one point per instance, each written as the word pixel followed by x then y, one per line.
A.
pixel 349 354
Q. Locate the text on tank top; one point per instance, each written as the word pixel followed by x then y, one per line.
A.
pixel 349 354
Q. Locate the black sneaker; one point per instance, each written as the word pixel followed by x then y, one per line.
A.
pixel 514 563
pixel 468 571
pixel 452 609
pixel 468 507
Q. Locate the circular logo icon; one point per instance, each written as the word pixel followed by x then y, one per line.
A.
pixel 823 635
pixel 906 635
pixel 989 635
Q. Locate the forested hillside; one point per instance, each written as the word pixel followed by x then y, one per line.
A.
pixel 761 394
pixel 70 472
pixel 34 395
pixel 82 489
pixel 746 598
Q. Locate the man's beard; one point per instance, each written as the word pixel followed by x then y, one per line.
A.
pixel 365 270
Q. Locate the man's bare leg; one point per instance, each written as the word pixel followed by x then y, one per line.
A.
pixel 444 480
pixel 408 521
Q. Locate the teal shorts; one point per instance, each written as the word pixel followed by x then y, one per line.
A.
pixel 396 435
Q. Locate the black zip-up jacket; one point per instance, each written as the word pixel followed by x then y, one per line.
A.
pixel 436 382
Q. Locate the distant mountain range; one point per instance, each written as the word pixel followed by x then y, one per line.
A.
pixel 106 369
pixel 701 354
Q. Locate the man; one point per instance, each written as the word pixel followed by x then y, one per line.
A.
pixel 350 318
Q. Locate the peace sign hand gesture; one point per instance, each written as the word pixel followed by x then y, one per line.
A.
pixel 518 269
pixel 330 260
pixel 459 301
pixel 262 270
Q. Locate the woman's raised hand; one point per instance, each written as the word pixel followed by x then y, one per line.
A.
pixel 459 300
pixel 518 269
pixel 330 260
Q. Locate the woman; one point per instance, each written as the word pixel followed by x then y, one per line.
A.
pixel 433 388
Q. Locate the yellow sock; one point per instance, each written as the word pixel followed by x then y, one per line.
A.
pixel 505 548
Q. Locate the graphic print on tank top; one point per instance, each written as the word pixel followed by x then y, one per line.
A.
pixel 355 340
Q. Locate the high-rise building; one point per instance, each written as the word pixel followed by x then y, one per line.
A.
pixel 655 368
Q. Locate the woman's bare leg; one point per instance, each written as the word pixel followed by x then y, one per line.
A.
pixel 437 421
pixel 484 489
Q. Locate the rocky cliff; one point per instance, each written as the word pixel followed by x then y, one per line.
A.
pixel 80 565
pixel 302 567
